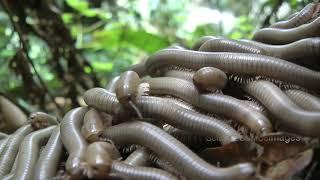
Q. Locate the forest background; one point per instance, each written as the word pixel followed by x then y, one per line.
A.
pixel 51 51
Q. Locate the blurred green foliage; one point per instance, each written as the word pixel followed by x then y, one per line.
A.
pixel 112 35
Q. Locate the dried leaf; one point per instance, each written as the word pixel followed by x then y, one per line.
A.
pixel 230 154
pixel 279 146
pixel 289 167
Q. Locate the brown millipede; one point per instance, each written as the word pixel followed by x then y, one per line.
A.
pixel 236 63
pixel 127 89
pixel 189 139
pixel 3 143
pixel 304 99
pixel 112 85
pixel 294 51
pixel 111 148
pixel 15 164
pixel 280 105
pixel 227 106
pixel 229 45
pixel 13 169
pixel 73 141
pixel 140 173
pixel 179 74
pixel 11 149
pixel 28 152
pixel 139 157
pixel 127 86
pixel 102 99
pixel 301 18
pixel 210 79
pixel 41 120
pixel 166 110
pixel 139 69
pixel 201 41
pixel 180 88
pixel 12 115
pixel 48 161
pixel 285 36
pixel 165 165
pixel 99 160
pixel 235 109
pixel 92 126
pixel 190 165
pixel 180 103
pixel 256 106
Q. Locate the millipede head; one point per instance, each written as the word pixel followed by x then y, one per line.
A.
pixel 210 78
pixel 99 159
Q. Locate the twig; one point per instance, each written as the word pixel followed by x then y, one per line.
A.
pixel 274 10
pixel 25 49
pixel 94 26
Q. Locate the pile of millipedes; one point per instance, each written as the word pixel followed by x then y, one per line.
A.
pixel 224 109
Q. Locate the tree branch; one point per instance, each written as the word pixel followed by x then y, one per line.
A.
pixel 23 44
pixel 275 8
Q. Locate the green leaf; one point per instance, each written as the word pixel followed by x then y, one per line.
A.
pixel 67 18
pixel 104 39
pixel 89 12
pixel 102 66
pixel 78 4
pixel 236 35
pixel 76 30
pixel 116 36
pixel 145 41
pixel 82 7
